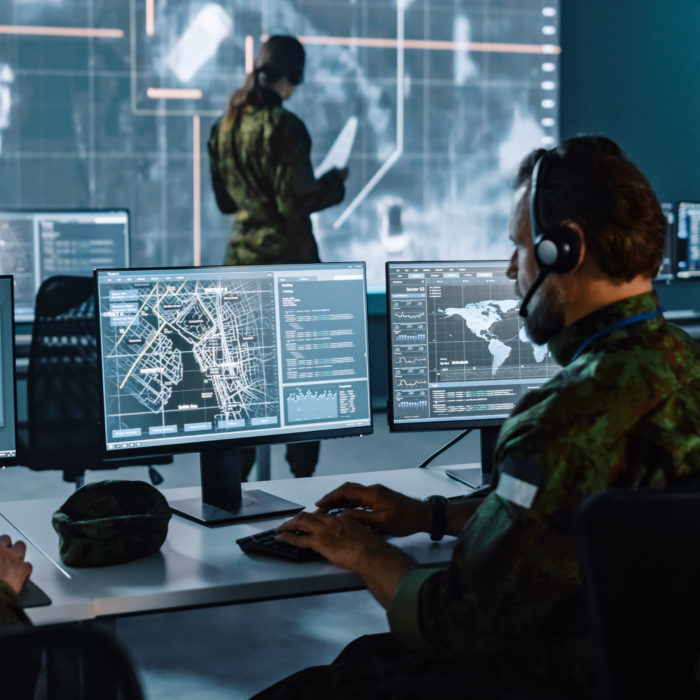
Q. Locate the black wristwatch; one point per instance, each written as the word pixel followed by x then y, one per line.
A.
pixel 439 522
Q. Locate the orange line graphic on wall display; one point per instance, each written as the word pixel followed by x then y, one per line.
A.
pixel 80 32
pixel 150 18
pixel 428 45
pixel 197 191
pixel 173 94
pixel 249 54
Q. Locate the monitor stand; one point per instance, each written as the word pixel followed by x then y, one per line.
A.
pixel 223 500
pixel 488 438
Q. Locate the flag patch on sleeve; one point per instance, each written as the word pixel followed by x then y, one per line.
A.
pixel 519 482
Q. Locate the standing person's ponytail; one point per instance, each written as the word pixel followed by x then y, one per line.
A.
pixel 280 56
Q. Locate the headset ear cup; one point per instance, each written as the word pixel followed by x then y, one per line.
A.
pixel 559 250
pixel 569 249
pixel 546 253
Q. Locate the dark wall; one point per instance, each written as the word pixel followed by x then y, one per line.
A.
pixel 630 69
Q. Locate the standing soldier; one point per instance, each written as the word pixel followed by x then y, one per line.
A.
pixel 259 155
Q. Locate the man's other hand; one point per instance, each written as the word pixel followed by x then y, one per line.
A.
pixel 377 506
pixel 13 569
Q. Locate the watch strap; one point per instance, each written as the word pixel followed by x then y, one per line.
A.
pixel 438 525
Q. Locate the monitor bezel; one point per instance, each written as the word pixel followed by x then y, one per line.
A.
pixel 12 461
pixel 52 211
pixel 214 444
pixel 678 275
pixel 672 275
pixel 428 425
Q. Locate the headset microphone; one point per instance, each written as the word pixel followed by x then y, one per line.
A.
pixel 557 249
pixel 541 274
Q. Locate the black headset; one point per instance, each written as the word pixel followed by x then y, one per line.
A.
pixel 557 249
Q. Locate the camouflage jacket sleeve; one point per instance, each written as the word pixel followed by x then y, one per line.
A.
pixel 224 200
pixel 491 592
pixel 11 612
pixel 298 192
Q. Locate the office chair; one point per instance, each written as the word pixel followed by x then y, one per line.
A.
pixel 60 662
pixel 63 385
pixel 640 562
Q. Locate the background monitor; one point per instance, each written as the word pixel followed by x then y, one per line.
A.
pixel 36 245
pixel 666 269
pixel 8 400
pixel 459 356
pixel 688 240
pixel 199 359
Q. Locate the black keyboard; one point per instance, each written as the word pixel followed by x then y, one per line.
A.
pixel 265 543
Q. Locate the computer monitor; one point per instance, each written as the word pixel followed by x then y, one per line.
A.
pixel 459 356
pixel 206 358
pixel 688 240
pixel 8 393
pixel 666 270
pixel 38 244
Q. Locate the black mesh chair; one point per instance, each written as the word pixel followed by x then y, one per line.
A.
pixel 63 385
pixel 640 563
pixel 64 662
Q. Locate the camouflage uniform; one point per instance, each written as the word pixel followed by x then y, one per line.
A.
pixel 510 605
pixel 261 172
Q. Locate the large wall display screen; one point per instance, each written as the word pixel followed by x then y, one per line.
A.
pixel 109 103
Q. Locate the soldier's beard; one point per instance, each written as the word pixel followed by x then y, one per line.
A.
pixel 545 313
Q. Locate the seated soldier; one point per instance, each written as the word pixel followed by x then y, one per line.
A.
pixel 623 411
pixel 14 572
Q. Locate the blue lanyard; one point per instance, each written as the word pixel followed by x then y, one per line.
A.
pixel 616 326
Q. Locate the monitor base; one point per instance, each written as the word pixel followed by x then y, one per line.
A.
pixel 254 504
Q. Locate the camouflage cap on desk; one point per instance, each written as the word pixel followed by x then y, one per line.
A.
pixel 110 522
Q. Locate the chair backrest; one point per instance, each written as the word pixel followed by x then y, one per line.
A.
pixel 59 662
pixel 62 380
pixel 63 383
pixel 640 563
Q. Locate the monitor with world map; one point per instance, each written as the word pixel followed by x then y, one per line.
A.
pixel 459 356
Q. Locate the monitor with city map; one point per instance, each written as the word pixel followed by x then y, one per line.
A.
pixel 459 356
pixel 204 359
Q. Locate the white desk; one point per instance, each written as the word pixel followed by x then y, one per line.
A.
pixel 70 601
pixel 198 565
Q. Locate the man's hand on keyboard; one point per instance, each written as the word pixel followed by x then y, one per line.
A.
pixel 352 546
pixel 339 540
pixel 379 507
